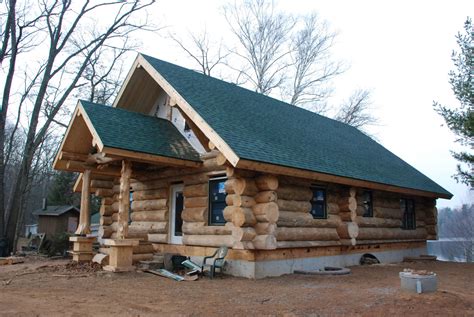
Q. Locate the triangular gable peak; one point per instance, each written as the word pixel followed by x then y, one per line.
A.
pixel 146 88
pixel 99 137
pixel 146 91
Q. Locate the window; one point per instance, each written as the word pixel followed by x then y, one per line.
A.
pixel 367 201
pixel 217 203
pixel 409 218
pixel 318 203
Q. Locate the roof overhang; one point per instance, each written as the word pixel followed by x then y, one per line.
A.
pixel 82 148
pixel 316 176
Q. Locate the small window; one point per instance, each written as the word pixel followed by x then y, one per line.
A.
pixel 318 203
pixel 217 203
pixel 367 201
pixel 409 218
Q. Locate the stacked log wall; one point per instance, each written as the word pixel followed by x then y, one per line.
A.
pixel 296 227
pixel 196 230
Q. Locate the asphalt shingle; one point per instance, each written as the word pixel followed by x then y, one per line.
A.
pixel 264 129
pixel 122 129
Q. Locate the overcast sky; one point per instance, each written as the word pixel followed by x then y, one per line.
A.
pixel 398 49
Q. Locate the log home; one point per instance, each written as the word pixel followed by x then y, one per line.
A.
pixel 185 163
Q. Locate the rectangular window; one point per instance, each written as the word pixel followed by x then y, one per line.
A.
pixel 367 201
pixel 217 203
pixel 318 203
pixel 409 218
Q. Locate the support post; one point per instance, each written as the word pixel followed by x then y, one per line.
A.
pixel 121 249
pixel 84 227
pixel 124 200
pixel 82 248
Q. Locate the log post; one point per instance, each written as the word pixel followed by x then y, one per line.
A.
pixel 84 226
pixel 124 199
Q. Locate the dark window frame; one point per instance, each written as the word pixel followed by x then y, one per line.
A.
pixel 368 205
pixel 408 218
pixel 211 203
pixel 314 189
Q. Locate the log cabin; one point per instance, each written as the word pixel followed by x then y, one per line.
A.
pixel 185 163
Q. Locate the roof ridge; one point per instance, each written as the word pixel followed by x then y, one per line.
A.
pixel 283 103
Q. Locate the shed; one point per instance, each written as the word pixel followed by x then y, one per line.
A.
pixel 57 219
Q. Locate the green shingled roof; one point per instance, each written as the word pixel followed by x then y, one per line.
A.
pixel 122 129
pixel 261 128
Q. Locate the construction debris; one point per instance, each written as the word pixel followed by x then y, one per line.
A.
pixel 11 260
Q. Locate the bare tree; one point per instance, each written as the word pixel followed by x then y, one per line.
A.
pixel 68 49
pixel 311 64
pixel 356 111
pixel 202 50
pixel 456 230
pixel 262 34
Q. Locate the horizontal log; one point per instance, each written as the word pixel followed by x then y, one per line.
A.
pixel 264 228
pixel 332 208
pixel 208 240
pixel 378 222
pixel 243 234
pixel 198 190
pixel 198 214
pixel 107 200
pixel 294 205
pixel 266 182
pixel 233 172
pixel 306 244
pixel 290 192
pixel 132 235
pixel 106 210
pixel 148 185
pixel 96 183
pixel 161 193
pixel 348 204
pixel 201 228
pixel 266 212
pixel 221 159
pixel 245 187
pixel 243 245
pixel 148 227
pixel 239 201
pixel 306 234
pixel 105 232
pixel 300 219
pixel 141 257
pixel 143 248
pixel 104 192
pixel 242 217
pixel 105 220
pixel 150 215
pixel 380 212
pixel 158 237
pixel 191 202
pixel 143 205
pixel 265 242
pixel 266 196
pixel 390 233
pixel 348 230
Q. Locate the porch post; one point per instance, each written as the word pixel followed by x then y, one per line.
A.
pixel 84 226
pixel 124 199
pixel 82 245
pixel 121 249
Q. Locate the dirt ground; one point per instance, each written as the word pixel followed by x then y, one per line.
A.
pixel 42 287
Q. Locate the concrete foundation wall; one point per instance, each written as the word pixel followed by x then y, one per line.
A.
pixel 262 269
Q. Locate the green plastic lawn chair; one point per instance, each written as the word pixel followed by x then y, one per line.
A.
pixel 217 261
